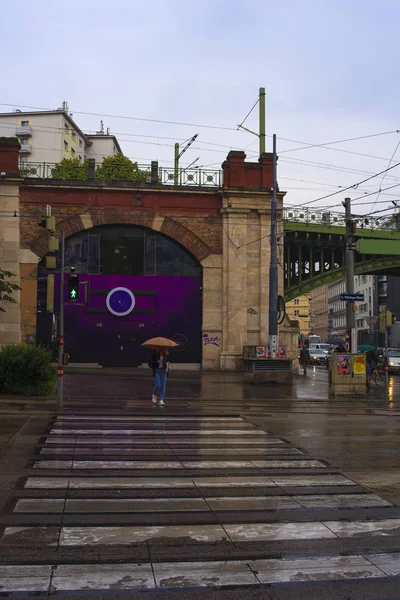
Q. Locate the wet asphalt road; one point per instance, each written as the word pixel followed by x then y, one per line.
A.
pixel 55 470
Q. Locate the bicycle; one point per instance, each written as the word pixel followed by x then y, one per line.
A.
pixel 377 375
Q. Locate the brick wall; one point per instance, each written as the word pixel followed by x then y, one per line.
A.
pixel 191 218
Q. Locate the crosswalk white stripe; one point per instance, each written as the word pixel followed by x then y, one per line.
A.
pixel 216 573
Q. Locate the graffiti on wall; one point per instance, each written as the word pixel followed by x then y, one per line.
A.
pixel 208 340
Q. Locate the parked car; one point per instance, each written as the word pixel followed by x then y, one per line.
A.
pixel 393 360
pixel 317 356
pixel 321 346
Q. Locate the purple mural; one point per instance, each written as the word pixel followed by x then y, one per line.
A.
pixel 163 306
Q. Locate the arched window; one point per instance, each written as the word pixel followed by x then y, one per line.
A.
pixel 127 250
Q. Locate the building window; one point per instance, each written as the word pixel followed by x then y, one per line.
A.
pixel 80 143
pixel 296 301
pixel 72 152
pixel 296 313
pixel 24 141
pixel 65 145
pixel 66 128
pixel 80 158
pixel 73 134
pixel 24 123
pixel 23 161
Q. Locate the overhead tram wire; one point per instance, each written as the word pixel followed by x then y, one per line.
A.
pixel 130 118
pixel 307 145
pixel 350 187
pixel 313 164
pixel 326 145
pixel 384 175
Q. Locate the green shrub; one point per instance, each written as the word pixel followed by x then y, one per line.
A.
pixel 26 369
pixel 71 168
pixel 120 168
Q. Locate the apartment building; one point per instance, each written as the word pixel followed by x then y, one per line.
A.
pixel 102 144
pixel 319 312
pixel 366 310
pixel 299 310
pixel 50 136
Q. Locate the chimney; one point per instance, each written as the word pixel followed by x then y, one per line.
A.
pixel 65 106
pixel 9 156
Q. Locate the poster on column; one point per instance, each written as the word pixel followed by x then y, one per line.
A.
pixel 359 364
pixel 343 364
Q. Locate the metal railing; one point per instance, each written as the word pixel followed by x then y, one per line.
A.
pixel 324 217
pixel 140 174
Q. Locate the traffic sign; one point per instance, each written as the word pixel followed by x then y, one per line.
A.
pixel 352 297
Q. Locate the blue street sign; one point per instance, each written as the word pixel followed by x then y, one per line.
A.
pixel 352 297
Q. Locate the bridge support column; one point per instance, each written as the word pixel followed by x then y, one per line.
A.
pixel 245 291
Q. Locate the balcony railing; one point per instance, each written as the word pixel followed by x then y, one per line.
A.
pixel 26 130
pixel 166 176
pixel 315 216
pixel 26 148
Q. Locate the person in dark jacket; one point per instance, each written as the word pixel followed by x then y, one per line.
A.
pixel 304 358
pixel 159 362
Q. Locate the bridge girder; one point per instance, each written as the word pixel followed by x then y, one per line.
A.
pixel 377 265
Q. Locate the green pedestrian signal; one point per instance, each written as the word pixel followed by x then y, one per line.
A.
pixel 73 287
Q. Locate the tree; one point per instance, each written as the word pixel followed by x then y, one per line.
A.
pixel 71 168
pixel 120 168
pixel 7 288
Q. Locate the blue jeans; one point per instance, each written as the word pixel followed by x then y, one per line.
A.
pixel 160 382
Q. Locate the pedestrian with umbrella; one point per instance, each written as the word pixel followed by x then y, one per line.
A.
pixel 160 364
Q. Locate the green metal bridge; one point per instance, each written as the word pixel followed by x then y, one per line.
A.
pixel 314 248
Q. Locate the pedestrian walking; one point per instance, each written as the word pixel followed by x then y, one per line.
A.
pixel 160 364
pixel 304 358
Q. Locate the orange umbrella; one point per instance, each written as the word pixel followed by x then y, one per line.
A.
pixel 158 342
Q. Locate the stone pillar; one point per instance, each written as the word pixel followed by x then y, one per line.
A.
pixel 265 259
pixel 29 283
pixel 246 217
pixel 234 303
pixel 10 320
pixel 212 337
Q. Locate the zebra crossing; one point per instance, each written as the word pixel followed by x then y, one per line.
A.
pixel 199 500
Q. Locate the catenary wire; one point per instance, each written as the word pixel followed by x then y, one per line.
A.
pixel 322 145
pixel 130 118
pixel 384 175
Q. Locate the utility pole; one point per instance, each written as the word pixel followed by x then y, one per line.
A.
pixel 177 156
pixel 262 119
pixel 386 352
pixel 350 305
pixel 273 269
pixel 60 386
pixel 176 164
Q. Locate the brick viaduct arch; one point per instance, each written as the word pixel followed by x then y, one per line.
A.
pixel 168 226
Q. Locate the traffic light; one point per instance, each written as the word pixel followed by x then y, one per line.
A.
pixel 50 294
pixel 49 223
pixel 73 287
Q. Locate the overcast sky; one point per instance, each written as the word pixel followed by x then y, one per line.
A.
pixel 330 69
